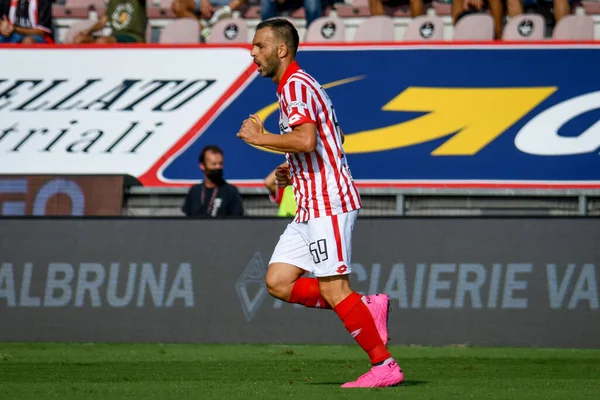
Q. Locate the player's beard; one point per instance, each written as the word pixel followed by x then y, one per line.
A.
pixel 271 66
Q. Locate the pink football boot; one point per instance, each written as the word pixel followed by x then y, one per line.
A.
pixel 384 375
pixel 379 306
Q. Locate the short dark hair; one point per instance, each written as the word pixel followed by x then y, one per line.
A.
pixel 212 148
pixel 284 29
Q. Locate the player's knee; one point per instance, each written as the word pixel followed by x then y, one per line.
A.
pixel 277 286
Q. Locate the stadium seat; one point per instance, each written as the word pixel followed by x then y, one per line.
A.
pixel 326 29
pixel 574 27
pixel 442 8
pixel 229 30
pixel 252 12
pixel 161 10
pixel 474 27
pixel 525 27
pixel 591 7
pixel 298 13
pixel 399 11
pixel 77 27
pixel 424 28
pixel 78 8
pixel 359 8
pixel 379 28
pixel 183 30
pixel 148 36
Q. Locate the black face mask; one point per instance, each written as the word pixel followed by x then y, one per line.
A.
pixel 215 175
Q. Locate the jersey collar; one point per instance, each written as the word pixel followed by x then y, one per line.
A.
pixel 293 67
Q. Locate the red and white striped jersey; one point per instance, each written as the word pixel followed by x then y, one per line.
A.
pixel 322 181
pixel 30 14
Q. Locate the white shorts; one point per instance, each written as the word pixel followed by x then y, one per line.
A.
pixel 322 246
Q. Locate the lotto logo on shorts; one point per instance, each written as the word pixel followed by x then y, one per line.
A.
pixel 342 269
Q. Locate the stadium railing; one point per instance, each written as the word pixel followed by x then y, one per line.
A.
pixel 386 202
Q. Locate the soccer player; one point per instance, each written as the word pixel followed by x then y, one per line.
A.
pixel 319 238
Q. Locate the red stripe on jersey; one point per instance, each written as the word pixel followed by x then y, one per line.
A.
pixel 12 12
pixel 337 237
pixel 300 180
pixel 309 164
pixel 337 142
pixel 328 149
pixel 326 200
pixel 33 12
pixel 312 183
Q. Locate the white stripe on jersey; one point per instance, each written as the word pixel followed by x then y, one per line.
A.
pixel 322 181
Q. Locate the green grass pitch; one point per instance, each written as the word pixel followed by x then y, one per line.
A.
pixel 169 371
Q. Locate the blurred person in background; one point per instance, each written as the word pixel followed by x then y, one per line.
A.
pixel 4 6
pixel 272 8
pixel 214 197
pixel 461 8
pixel 552 10
pixel 210 11
pixel 376 7
pixel 126 18
pixel 26 21
pixel 280 192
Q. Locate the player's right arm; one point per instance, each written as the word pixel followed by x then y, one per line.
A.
pixel 302 139
pixel 301 111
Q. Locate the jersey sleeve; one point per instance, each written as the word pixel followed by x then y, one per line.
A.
pixel 300 104
pixel 40 13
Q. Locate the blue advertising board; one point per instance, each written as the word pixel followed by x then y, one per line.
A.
pixel 431 115
pixel 436 116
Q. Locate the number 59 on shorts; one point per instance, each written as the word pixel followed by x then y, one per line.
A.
pixel 318 250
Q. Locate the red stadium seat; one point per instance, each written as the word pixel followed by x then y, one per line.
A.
pixel 326 29
pixel 298 13
pixel 424 28
pixel 359 8
pixel 474 27
pixel 78 8
pixel 76 28
pixel 183 30
pixel 400 11
pixel 525 27
pixel 379 28
pixel 163 10
pixel 442 9
pixel 591 7
pixel 252 12
pixel 229 30
pixel 574 27
pixel 148 36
